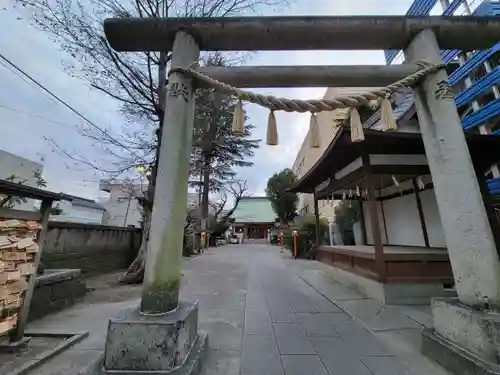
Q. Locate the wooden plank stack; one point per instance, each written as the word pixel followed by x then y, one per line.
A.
pixel 18 247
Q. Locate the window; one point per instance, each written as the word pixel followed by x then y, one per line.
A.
pixel 300 166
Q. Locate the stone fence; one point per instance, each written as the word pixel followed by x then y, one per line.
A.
pixel 93 249
pixel 55 290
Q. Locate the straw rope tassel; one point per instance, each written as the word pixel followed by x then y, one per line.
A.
pixel 387 116
pixel 357 134
pixel 238 119
pixel 314 131
pixel 272 130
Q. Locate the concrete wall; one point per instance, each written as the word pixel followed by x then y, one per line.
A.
pixel 92 248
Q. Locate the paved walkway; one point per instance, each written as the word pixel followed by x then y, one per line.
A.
pixel 267 314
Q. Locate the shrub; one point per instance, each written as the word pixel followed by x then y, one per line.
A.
pixel 306 238
pixel 187 248
pixel 346 214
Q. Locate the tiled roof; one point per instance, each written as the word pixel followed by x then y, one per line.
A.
pixel 254 210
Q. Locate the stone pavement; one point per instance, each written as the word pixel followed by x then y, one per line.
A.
pixel 267 314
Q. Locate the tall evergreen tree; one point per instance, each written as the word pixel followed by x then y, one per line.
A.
pixel 284 203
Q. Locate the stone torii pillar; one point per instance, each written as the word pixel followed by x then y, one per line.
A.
pixel 162 336
pixel 160 292
pixel 468 322
pixel 470 241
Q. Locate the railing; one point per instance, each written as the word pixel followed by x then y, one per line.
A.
pixel 303 211
pixel 452 7
pixel 423 8
pixel 494 186
pixel 489 111
pixel 474 61
pixel 478 87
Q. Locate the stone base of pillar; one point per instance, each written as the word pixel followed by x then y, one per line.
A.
pixel 465 341
pixel 166 344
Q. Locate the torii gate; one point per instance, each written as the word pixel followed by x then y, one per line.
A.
pixel 469 239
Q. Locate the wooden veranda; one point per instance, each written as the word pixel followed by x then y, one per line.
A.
pixel 383 167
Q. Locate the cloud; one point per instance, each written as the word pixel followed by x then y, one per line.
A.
pixel 292 127
pixel 28 116
pixel 24 134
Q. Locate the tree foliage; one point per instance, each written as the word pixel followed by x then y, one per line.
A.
pixel 216 149
pixel 346 214
pixel 218 221
pixel 306 234
pixel 10 201
pixel 284 203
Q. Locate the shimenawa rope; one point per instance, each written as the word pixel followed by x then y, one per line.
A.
pixel 314 105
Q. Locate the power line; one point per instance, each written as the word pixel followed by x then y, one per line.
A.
pixel 23 78
pixel 43 88
pixel 32 115
pixel 54 96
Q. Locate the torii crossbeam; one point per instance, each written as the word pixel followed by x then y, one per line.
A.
pixel 301 33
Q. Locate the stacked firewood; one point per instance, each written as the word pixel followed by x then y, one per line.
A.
pixel 18 249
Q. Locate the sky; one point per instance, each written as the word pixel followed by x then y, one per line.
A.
pixel 29 118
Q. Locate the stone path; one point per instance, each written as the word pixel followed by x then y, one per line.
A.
pixel 267 314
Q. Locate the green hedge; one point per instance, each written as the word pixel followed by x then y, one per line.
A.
pixel 306 238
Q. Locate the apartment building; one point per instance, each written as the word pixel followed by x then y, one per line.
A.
pixel 307 156
pixel 474 76
pixel 122 206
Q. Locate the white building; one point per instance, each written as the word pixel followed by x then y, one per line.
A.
pixel 79 210
pixel 20 170
pixel 308 156
pixel 122 205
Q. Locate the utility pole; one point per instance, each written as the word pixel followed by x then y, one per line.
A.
pixel 128 208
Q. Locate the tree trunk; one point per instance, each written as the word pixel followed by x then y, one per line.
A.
pixel 204 204
pixel 135 272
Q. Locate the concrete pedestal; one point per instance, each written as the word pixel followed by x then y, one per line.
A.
pixel 138 344
pixel 464 341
